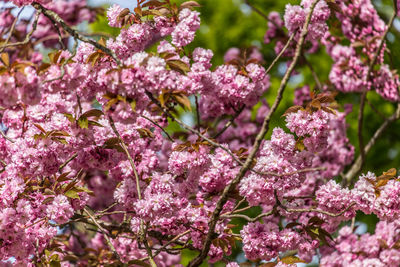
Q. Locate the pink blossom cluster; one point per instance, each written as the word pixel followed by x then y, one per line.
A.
pixel 361 24
pixel 295 17
pixel 379 249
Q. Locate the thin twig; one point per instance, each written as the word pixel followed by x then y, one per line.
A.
pixel 11 31
pixel 281 53
pixel 197 112
pixel 247 165
pixel 364 94
pixel 247 218
pixel 322 211
pixel 103 231
pixel 27 37
pixel 357 165
pixel 6 137
pixel 143 230
pixel 156 124
pixel 313 73
pixel 55 18
pixel 62 166
pixel 188 128
pixel 230 122
pixel 259 12
pixel 375 109
pixel 124 147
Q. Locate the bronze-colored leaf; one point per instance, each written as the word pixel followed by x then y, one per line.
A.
pixel 315 104
pixel 189 4
pixel 152 12
pixel 381 182
pixel 123 13
pixel 5 58
pixel 144 133
pixel 138 11
pixel 392 172
pixel 315 221
pixel 268 264
pixel 292 109
pixel 43 68
pixel 92 113
pixel 54 56
pixel 102 41
pixel 178 65
pixel 153 3
pixel 40 128
pixel 292 260
pixel 183 100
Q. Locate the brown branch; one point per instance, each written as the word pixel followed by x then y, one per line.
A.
pixel 156 124
pixel 27 37
pixel 62 166
pixel 281 53
pixel 55 18
pixel 190 129
pixel 249 219
pixel 197 112
pixel 104 232
pixel 124 147
pixel 357 165
pixel 247 165
pixel 143 230
pixel 6 137
pixel 11 31
pixel 364 94
pixel 322 211
pixel 313 73
pixel 229 123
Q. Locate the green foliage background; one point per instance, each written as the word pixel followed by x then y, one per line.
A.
pixel 231 23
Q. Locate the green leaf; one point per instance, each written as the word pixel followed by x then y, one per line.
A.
pixel 55 263
pixel 70 117
pixel 83 122
pixel 93 113
pixel 133 105
pixel 72 194
pixel 95 123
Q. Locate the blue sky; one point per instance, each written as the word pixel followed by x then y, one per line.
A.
pixel 124 3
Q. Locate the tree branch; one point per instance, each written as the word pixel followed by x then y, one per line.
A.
pixel 55 18
pixel 104 232
pixel 364 94
pixel 357 165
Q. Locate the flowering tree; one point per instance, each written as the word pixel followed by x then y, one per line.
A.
pixel 92 172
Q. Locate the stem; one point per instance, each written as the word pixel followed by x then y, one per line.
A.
pixel 103 231
pixel 364 95
pixel 55 18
